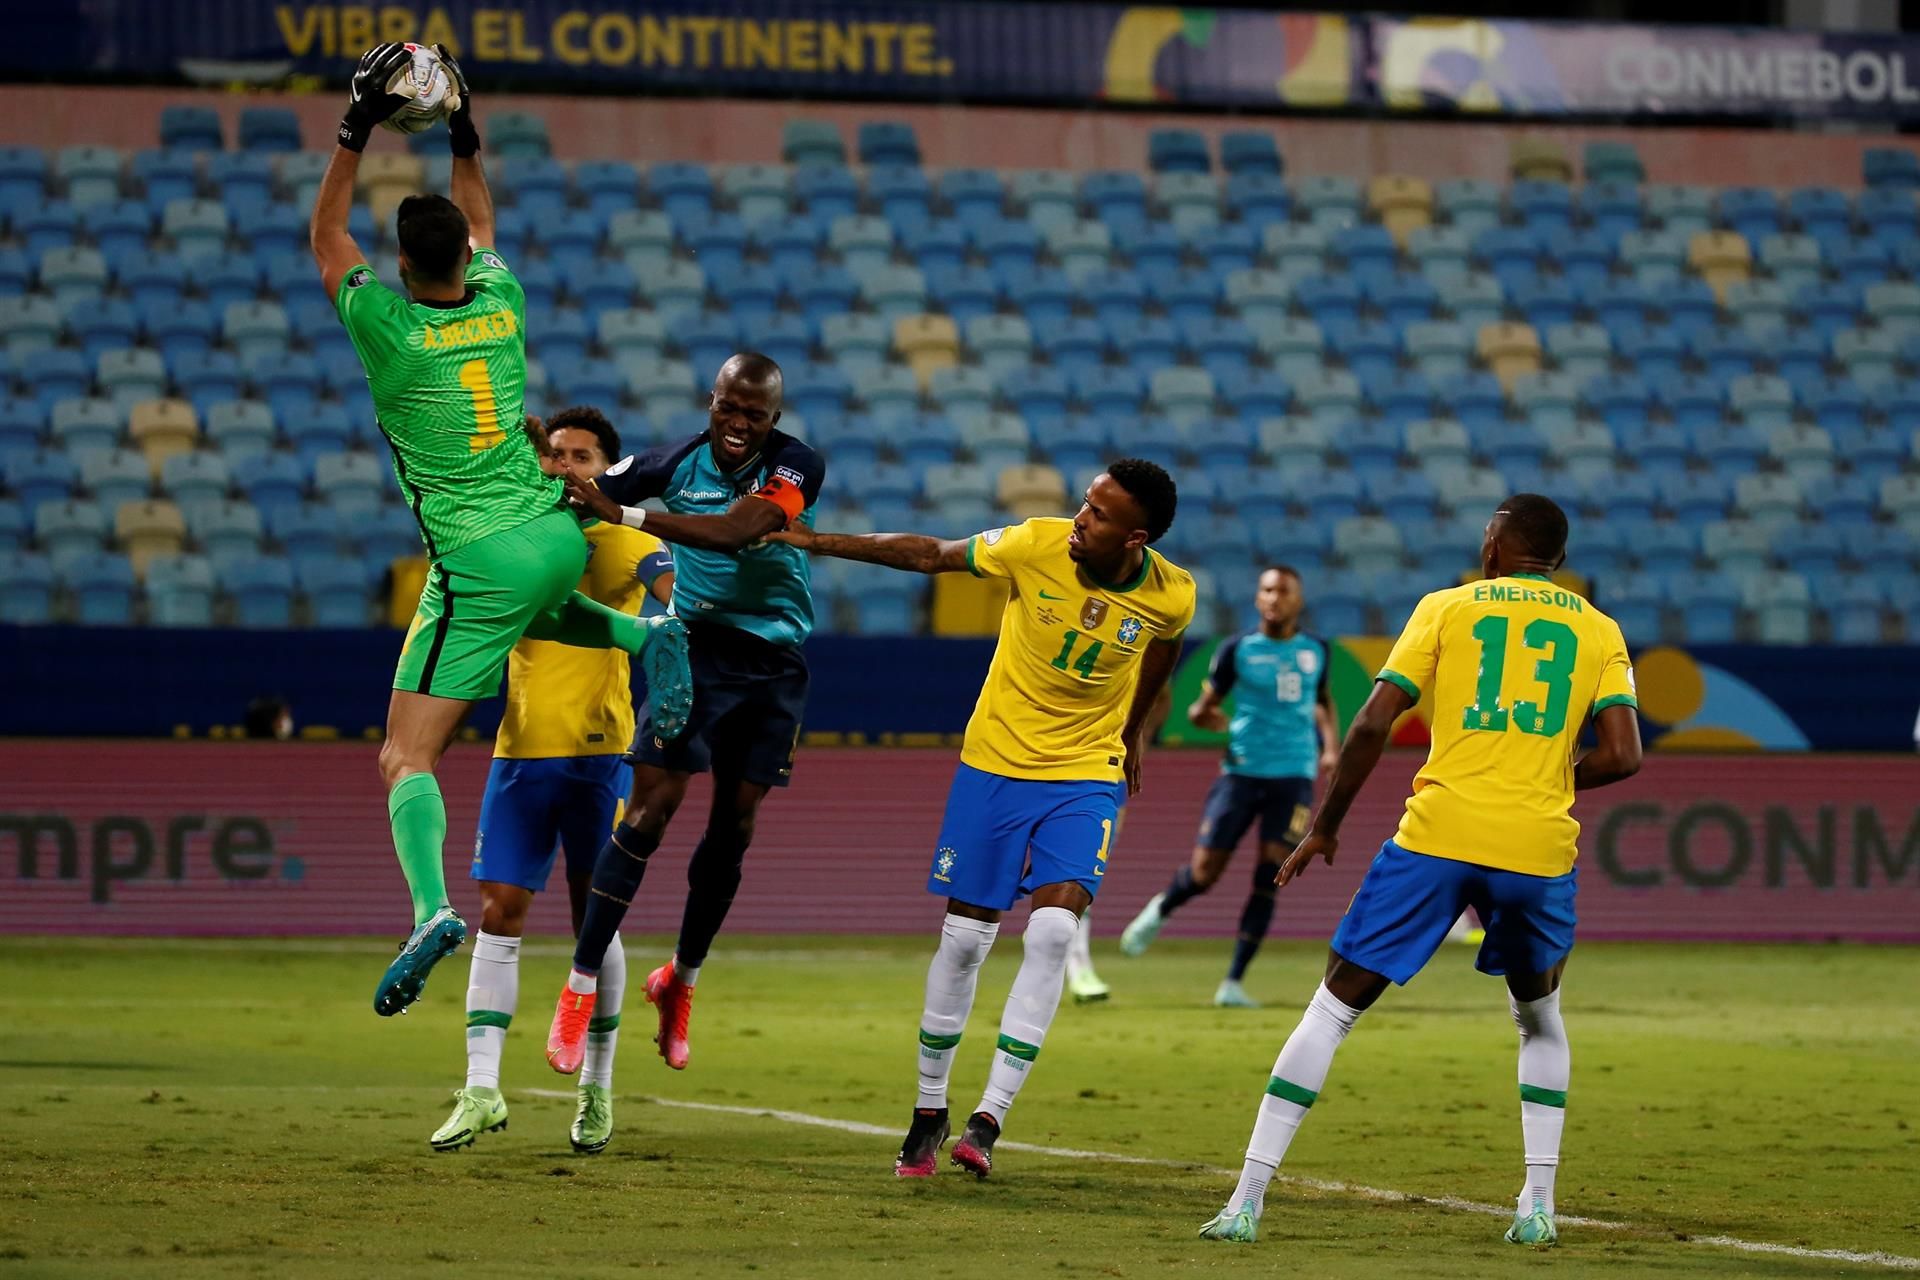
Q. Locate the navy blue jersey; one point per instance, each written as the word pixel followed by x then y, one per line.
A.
pixel 764 589
pixel 1275 684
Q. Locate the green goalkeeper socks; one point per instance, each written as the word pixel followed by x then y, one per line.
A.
pixel 585 623
pixel 419 818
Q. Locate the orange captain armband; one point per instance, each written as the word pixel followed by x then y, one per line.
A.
pixel 784 494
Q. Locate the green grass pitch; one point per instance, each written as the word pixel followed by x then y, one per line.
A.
pixel 228 1108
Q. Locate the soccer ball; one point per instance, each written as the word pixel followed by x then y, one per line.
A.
pixel 433 93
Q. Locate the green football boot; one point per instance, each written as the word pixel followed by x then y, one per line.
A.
pixel 593 1122
pixel 1237 1226
pixel 434 938
pixel 1534 1228
pixel 475 1111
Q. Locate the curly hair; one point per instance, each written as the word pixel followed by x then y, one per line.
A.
pixel 1148 484
pixel 583 417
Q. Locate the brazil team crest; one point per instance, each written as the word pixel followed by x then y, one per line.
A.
pixel 1130 630
pixel 1092 614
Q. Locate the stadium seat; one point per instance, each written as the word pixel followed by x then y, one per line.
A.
pixel 812 143
pixel 26 588
pixel 163 428
pixel 102 588
pixel 85 425
pixel 148 528
pixel 1794 260
pixel 116 476
pixel 260 589
pixel 997 440
pixel 224 530
pixel 70 528
pixel 1402 203
pixel 336 590
pixel 1001 343
pixel 30 324
pixel 1782 608
pixel 131 375
pixel 39 477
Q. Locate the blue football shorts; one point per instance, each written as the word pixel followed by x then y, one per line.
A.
pixel 1408 901
pixel 1005 837
pixel 533 808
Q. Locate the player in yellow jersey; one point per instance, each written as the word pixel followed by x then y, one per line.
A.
pixel 1090 634
pixel 1512 668
pixel 559 774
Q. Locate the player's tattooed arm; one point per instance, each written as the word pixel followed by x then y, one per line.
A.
pixel 1616 757
pixel 913 552
pixel 1366 739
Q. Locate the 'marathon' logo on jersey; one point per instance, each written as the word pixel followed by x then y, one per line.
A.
pixel 466 333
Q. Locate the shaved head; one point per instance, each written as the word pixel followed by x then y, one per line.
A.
pixel 751 368
pixel 744 407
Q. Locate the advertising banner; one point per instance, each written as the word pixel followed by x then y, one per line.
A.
pixel 1575 68
pixel 287 839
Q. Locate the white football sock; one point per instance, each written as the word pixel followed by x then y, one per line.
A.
pixel 582 984
pixel 1298 1074
pixel 688 974
pixel 1030 1006
pixel 493 989
pixel 1545 1065
pixel 603 1032
pixel 951 979
pixel 1080 954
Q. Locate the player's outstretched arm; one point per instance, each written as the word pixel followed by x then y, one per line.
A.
pixel 913 552
pixel 1366 739
pixel 752 519
pixel 468 187
pixel 1616 756
pixel 368 105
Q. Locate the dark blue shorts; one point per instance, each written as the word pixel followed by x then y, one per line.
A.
pixel 532 807
pixel 749 697
pixel 1005 837
pixel 1283 807
pixel 1408 901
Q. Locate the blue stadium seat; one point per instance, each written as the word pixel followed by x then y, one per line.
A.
pixel 1329 495
pixel 1254 394
pixel 1863 262
pixel 888 142
pixel 102 326
pixel 787 337
pixel 23 178
pixel 1795 260
pixel 1708 604
pixel 823 291
pixel 1407 300
pixel 26 588
pixel 1044 295
pixel 1544 207
pixel 1730 446
pixel 51 375
pixel 1370 348
pixel 225 530
pixel 817 391
pixel 1328 299
pixel 1763 401
pixel 1330 202
pixel 1110 392
pixel 1369 250
pixel 1145 342
pixel 966 293
pixel 975 195
pixel 1799 356
pixel 70 528
pixel 1511 254
pixel 1038 394
pixel 1614 207
pixel 260 589
pixel 15 526
pixel 387 535
pixel 102 588
pixel 935 243
pixel 903 194
pixel 50 224
pixel 1696 496
pixel 1545 303
pixel 41 477
pixel 609 186
pixel 1258 200
pixel 180 591
pixel 337 590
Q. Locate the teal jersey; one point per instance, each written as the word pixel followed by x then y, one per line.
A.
pixel 764 589
pixel 1275 684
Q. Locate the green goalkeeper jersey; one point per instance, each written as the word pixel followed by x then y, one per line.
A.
pixel 449 386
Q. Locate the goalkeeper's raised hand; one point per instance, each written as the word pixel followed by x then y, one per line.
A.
pixel 371 103
pixel 463 138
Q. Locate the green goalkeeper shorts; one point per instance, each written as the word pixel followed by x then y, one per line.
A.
pixel 480 598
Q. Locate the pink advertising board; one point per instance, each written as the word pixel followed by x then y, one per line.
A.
pixel 210 838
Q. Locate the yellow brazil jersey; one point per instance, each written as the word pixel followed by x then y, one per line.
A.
pixel 563 700
pixel 1511 669
pixel 1057 694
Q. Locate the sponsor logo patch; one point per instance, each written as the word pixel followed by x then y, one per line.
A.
pixel 359 277
pixel 788 474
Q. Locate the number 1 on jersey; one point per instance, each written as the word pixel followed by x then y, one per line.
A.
pixel 486 413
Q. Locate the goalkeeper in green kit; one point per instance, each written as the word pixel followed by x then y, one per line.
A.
pixel 447 366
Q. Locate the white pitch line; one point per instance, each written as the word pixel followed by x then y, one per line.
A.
pixel 1893 1261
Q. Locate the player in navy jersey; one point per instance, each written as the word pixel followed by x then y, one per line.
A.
pixel 748 608
pixel 1281 734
